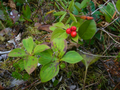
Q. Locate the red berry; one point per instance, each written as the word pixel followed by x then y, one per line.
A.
pixel 73 28
pixel 68 31
pixel 73 33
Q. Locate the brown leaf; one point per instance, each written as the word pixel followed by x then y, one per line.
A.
pixel 1 88
pixel 45 28
pixel 12 4
pixel 37 25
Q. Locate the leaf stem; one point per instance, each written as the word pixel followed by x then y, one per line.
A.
pixel 85 78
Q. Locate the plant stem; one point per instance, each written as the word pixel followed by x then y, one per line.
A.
pixel 2 24
pixel 85 78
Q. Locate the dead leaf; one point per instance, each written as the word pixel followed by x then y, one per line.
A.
pixel 12 4
pixel 43 27
pixel 1 88
pixel 103 24
pixel 37 25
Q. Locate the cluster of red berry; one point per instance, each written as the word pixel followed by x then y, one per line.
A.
pixel 72 31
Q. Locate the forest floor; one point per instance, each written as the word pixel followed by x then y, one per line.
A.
pixel 17 24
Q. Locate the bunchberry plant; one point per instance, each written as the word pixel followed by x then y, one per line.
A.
pixel 49 58
pixel 28 54
pixel 84 31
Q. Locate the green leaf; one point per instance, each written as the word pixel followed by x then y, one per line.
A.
pixel 65 1
pixel 62 17
pixel 28 44
pixel 59 33
pixel 77 24
pixel 28 19
pixel 118 5
pixel 81 21
pixel 62 4
pixel 21 64
pixel 26 11
pixel 40 48
pixel 46 57
pixel 55 83
pixel 62 65
pixel 17 53
pixel 75 11
pixel 87 29
pixel 97 15
pixel 72 57
pixel 75 38
pixel 69 74
pixel 16 75
pixel 73 17
pixel 57 6
pixel 30 63
pixel 57 25
pixel 71 6
pixel 59 46
pixel 59 13
pixel 52 28
pixel 92 6
pixel 21 19
pixel 49 71
pixel 84 3
pixel 78 6
pixel 19 1
pixel 2 16
pixel 102 9
pixel 108 11
pixel 99 37
pixel 68 21
pixel 26 76
pixel 88 59
pixel 67 26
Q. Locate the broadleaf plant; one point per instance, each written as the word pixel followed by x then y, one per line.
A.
pixel 72 57
pixel 30 64
pixel 17 53
pixel 51 61
pixel 59 47
pixel 28 44
pixel 28 55
pixel 49 58
pixel 49 71
pixel 87 29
